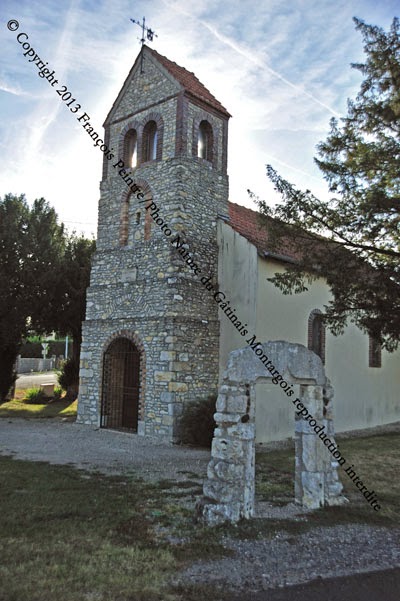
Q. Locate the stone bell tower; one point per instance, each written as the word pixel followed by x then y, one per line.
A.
pixel 151 335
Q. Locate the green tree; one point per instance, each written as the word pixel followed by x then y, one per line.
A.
pixel 353 239
pixel 31 247
pixel 73 281
pixel 44 274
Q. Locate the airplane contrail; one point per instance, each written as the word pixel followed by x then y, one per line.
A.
pixel 249 55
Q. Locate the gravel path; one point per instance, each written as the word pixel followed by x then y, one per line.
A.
pixel 258 565
pixel 286 559
pixel 108 451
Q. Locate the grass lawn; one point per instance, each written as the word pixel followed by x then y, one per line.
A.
pixel 376 460
pixel 73 535
pixel 19 408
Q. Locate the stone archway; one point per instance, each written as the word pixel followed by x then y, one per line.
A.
pixel 228 492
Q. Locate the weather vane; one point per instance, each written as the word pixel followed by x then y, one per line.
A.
pixel 149 34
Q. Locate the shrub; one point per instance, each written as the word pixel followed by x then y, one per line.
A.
pixel 57 393
pixel 35 396
pixel 197 422
pixel 69 374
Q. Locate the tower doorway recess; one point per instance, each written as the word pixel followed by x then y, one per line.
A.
pixel 121 386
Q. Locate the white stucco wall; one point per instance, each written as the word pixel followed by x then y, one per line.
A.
pixel 237 277
pixel 364 396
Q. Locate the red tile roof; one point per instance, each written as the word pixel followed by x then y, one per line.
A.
pixel 254 227
pixel 189 81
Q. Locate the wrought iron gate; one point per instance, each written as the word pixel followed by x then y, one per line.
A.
pixel 121 386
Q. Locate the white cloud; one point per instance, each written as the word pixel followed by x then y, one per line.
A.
pixel 12 89
pixel 281 69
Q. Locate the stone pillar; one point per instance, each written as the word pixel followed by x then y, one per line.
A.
pixel 316 479
pixel 333 486
pixel 229 488
pixel 312 457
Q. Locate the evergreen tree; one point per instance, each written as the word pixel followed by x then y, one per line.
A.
pixel 44 274
pixel 352 240
pixel 73 281
pixel 31 248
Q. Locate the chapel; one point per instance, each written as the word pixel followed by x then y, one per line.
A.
pixel 154 337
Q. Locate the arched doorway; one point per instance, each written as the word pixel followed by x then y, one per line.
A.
pixel 121 386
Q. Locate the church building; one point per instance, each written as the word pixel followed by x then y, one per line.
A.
pixel 155 337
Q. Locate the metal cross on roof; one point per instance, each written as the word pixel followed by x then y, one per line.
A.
pixel 150 34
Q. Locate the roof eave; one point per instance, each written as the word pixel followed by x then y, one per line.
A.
pixel 221 110
pixel 265 254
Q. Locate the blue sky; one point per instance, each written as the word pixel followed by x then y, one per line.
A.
pixel 281 68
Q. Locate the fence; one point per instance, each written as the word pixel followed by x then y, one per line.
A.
pixel 32 364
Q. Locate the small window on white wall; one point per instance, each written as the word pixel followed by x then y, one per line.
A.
pixel 375 352
pixel 316 334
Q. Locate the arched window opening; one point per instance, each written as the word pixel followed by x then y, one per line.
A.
pixel 316 334
pixel 150 138
pixel 130 149
pixel 205 141
pixel 375 352
pixel 138 216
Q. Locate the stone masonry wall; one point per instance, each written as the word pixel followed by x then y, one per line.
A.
pixel 176 351
pixel 229 490
pixel 144 287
